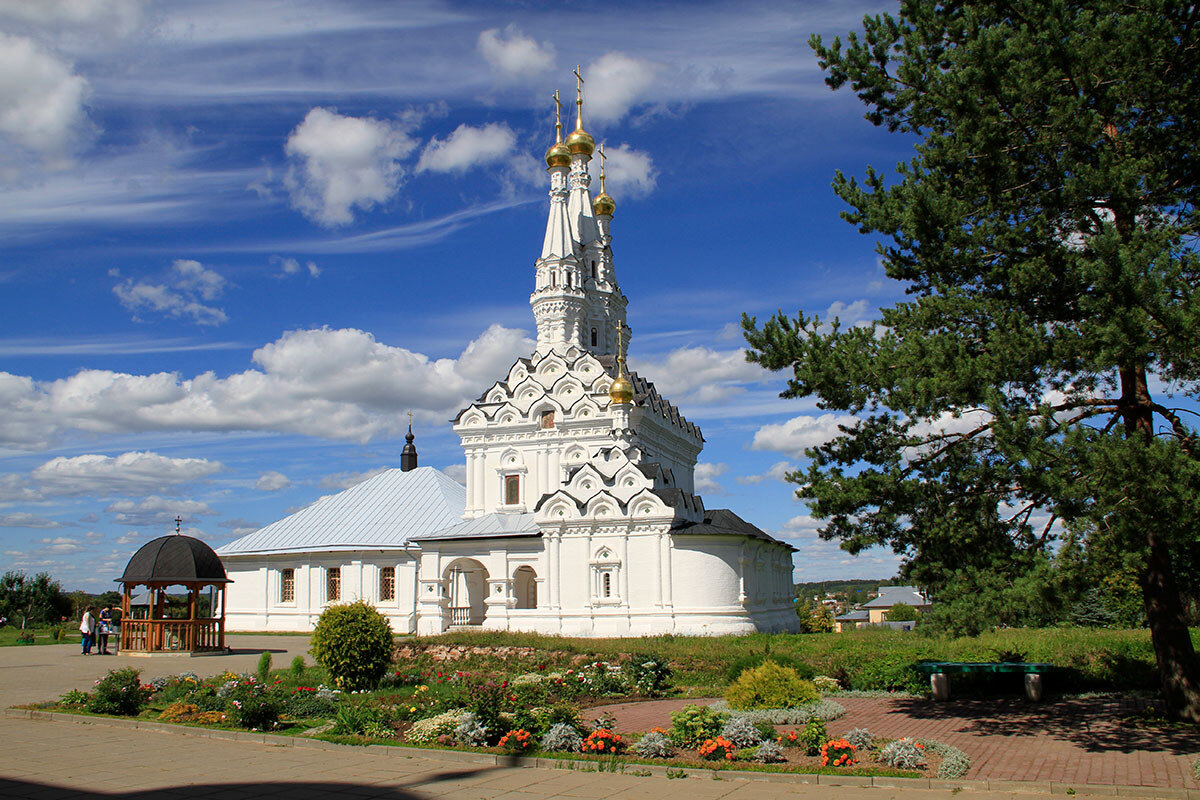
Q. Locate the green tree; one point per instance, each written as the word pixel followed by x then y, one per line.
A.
pixel 1044 231
pixel 902 612
pixel 31 602
pixel 814 617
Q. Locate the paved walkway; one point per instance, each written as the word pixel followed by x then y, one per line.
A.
pixel 54 760
pixel 1067 741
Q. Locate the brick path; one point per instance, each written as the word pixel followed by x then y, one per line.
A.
pixel 1068 741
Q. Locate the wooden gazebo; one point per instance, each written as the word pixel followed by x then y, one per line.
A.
pixel 174 560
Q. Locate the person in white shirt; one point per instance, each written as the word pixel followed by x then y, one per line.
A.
pixel 87 628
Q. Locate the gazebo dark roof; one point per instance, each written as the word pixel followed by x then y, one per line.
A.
pixel 175 559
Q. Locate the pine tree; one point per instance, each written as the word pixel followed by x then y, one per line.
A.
pixel 1045 233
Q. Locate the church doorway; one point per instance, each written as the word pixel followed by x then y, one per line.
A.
pixel 466 581
pixel 525 587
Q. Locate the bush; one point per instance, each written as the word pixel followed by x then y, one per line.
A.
pixel 471 731
pixel 717 749
pixel 903 753
pixel 486 702
pixel 264 667
pixel 254 706
pixel 516 741
pixel 603 741
pixel 742 732
pixel 826 685
pixel 692 724
pixel 297 668
pixel 354 643
pixel 739 665
pixel 812 736
pixel 837 753
pixel 562 738
pixel 426 731
pixel 824 710
pixel 119 692
pixel 955 763
pixel 648 674
pixel 306 703
pixel 73 699
pixel 654 744
pixel 770 685
pixel 769 753
pixel 861 738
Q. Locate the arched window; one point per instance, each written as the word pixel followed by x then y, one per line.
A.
pixel 548 419
pixel 525 587
pixel 593 270
pixel 512 490
pixel 594 337
pixel 606 585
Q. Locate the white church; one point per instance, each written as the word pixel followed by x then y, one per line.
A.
pixel 579 516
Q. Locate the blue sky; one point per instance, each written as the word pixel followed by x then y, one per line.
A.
pixel 242 239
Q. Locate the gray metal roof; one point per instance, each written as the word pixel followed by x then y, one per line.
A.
pixel 853 616
pixel 381 512
pixel 487 526
pixel 890 595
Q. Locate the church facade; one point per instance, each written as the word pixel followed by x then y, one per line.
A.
pixel 579 515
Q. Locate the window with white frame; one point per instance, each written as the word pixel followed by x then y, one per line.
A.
pixel 287 586
pixel 606 574
pixel 387 583
pixel 333 584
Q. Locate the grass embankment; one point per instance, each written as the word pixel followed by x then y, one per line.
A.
pixel 1091 659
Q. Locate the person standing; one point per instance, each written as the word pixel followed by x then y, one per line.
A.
pixel 87 628
pixel 103 629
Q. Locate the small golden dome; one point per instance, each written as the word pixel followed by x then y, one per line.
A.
pixel 621 391
pixel 581 142
pixel 557 155
pixel 603 204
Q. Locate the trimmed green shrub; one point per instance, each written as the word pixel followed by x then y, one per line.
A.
pixel 297 668
pixel 812 736
pixel 119 692
pixel 739 665
pixel 353 642
pixel 770 685
pixel 264 667
pixel 692 724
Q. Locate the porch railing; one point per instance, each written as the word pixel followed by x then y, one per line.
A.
pixel 171 635
pixel 460 615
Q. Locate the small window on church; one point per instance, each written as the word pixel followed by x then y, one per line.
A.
pixel 333 584
pixel 512 490
pixel 593 276
pixel 287 586
pixel 387 583
pixel 553 279
pixel 606 585
pixel 593 337
pixel 548 419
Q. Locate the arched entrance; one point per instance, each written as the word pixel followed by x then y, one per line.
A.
pixel 466 586
pixel 525 587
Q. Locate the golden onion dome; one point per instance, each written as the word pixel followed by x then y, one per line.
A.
pixel 558 155
pixel 603 204
pixel 580 142
pixel 621 390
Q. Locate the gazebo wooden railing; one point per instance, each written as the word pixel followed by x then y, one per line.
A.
pixel 167 635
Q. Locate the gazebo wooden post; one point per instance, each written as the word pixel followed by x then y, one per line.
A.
pixel 221 629
pixel 191 643
pixel 122 642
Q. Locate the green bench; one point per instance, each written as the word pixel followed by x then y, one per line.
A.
pixel 939 673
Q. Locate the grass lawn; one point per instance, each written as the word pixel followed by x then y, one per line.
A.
pixel 9 634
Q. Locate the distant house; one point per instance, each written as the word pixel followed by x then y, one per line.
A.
pixel 874 612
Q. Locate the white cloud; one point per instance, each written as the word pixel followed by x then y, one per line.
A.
pixel 615 83
pixel 344 480
pixel 156 510
pixel 777 472
pixel 272 481
pixel 700 374
pixel 338 384
pixel 705 478
pixel 107 16
pixel 341 163
pixel 180 295
pixel 61 544
pixel 849 315
pixel 15 488
pixel 128 473
pixel 513 54
pixel 23 519
pixel 630 173
pixel 292 266
pixel 799 433
pixel 456 473
pixel 41 100
pixel 466 147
